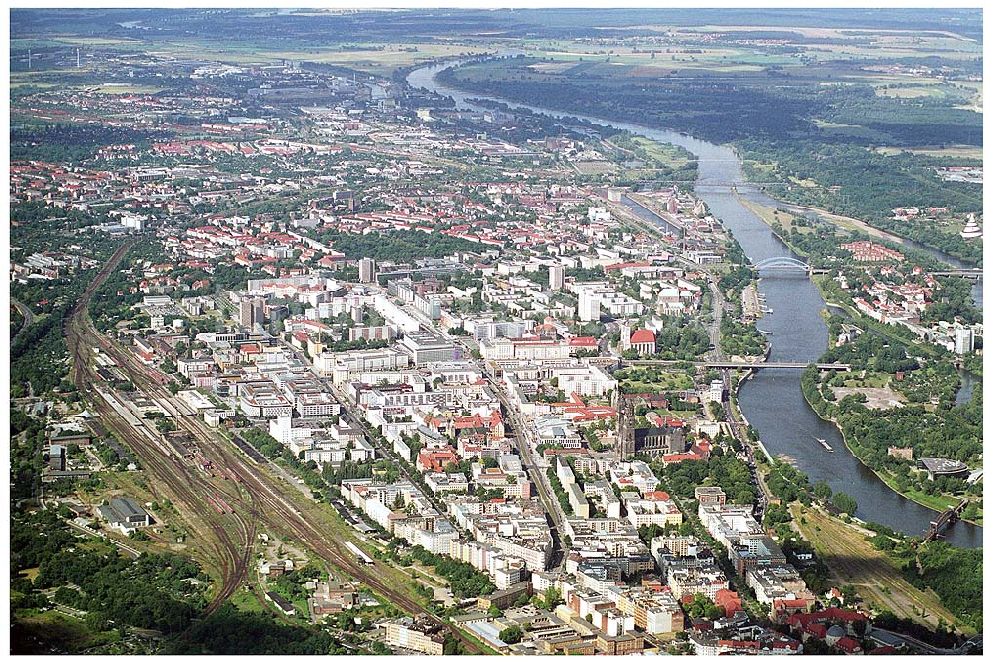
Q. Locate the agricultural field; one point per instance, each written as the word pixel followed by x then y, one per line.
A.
pixel 973 153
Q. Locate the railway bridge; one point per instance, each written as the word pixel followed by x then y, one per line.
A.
pixel 944 521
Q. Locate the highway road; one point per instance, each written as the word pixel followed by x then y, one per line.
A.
pixel 529 458
pixel 26 313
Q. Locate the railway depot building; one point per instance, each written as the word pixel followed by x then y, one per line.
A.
pixel 124 515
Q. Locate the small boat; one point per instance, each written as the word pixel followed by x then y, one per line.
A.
pixel 825 445
pixel 767 311
pixel 766 332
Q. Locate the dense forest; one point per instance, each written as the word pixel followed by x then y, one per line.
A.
pixel 852 180
pixel 724 470
pixel 165 593
pixel 71 143
pixel 724 109
pixel 955 574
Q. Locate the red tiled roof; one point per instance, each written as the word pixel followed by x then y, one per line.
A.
pixel 641 336
pixel 816 629
pixel 848 644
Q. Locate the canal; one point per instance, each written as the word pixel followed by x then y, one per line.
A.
pixel 772 401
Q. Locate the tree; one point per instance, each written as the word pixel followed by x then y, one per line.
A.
pixel 451 645
pixel 703 607
pixel 511 635
pixel 822 490
pixel 550 599
pixel 844 503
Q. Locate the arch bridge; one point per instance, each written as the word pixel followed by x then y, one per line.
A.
pixel 783 264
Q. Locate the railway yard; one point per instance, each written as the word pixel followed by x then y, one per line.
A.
pixel 225 494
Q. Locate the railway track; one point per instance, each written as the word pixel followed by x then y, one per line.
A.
pixel 186 488
pixel 264 504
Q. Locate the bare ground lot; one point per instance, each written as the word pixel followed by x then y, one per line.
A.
pixel 878 398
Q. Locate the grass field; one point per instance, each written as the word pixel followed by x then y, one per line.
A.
pixel 842 221
pixel 936 502
pixel 594 168
pixel 870 379
pixel 649 380
pixel 852 560
pixel 909 92
pixel 969 152
pixel 124 89
pixel 771 215
pixel 245 600
pixel 663 154
pixel 380 59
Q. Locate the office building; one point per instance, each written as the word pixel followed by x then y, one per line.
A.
pixel 251 312
pixel 557 277
pixel 965 340
pixel 589 306
pixel 366 270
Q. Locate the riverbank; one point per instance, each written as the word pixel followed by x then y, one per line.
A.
pixel 842 221
pixel 852 560
pixel 936 503
pixel 799 333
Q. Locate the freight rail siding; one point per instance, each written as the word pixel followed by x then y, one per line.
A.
pixel 275 506
pixel 268 505
pixel 360 554
pixel 229 555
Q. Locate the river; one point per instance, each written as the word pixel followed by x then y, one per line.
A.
pixel 772 402
pixel 977 287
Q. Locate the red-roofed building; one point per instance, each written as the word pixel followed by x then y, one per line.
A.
pixel 700 450
pixel 730 601
pixel 643 342
pixel 497 428
pixel 827 616
pixel 436 460
pixel 583 343
pixel 783 608
pixel 848 645
pixel 833 625
pixel 816 630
